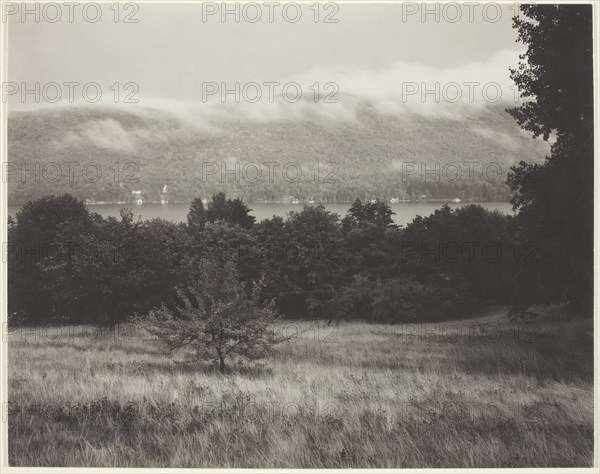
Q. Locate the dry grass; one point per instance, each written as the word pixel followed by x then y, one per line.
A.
pixel 380 396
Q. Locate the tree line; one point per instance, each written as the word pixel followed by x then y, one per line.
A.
pixel 67 264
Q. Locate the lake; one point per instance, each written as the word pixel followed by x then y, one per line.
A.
pixel 405 212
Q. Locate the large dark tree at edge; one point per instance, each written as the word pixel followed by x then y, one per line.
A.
pixel 555 200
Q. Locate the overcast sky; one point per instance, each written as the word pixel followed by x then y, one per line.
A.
pixel 170 51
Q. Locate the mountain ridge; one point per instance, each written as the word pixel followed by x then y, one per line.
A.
pixel 374 154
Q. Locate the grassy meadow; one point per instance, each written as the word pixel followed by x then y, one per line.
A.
pixel 486 392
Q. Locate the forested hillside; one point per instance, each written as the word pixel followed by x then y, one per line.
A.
pixel 116 151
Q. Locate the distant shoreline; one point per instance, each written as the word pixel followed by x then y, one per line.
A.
pixel 178 203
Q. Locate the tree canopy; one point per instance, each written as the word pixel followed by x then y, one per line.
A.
pixel 555 200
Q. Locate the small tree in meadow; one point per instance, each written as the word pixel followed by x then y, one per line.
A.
pixel 217 318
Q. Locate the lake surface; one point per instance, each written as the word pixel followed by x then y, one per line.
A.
pixel 405 212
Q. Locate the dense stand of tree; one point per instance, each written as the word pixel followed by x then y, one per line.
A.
pixel 68 264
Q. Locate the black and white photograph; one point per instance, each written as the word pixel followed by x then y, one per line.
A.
pixel 305 235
